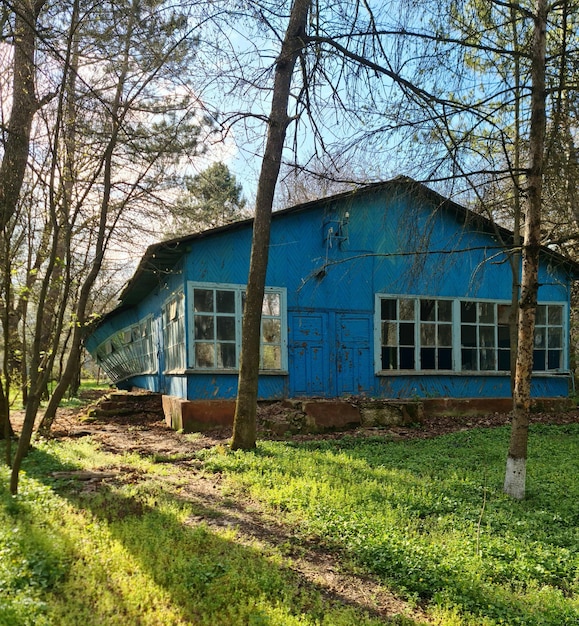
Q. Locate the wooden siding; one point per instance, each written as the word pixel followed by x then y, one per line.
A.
pixel 332 259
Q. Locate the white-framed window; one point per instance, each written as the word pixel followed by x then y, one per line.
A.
pixel 484 336
pixel 215 322
pixel 416 334
pixel 174 332
pixel 548 353
pixel 462 335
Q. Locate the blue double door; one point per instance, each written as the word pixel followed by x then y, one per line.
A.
pixel 330 354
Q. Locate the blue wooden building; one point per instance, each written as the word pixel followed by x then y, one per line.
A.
pixel 390 291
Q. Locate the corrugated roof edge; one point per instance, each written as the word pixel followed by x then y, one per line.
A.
pixel 163 256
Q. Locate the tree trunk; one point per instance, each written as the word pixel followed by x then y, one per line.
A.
pixel 6 431
pixel 79 329
pixel 515 474
pixel 517 212
pixel 244 426
pixel 16 148
pixel 24 106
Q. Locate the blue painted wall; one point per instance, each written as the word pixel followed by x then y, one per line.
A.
pixel 333 258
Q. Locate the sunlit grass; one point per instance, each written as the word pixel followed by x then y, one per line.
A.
pixel 127 553
pixel 430 518
pixel 426 516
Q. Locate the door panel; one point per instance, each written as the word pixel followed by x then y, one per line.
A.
pixel 308 358
pixel 353 356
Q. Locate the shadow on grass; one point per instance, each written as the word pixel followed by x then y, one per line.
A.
pixel 134 553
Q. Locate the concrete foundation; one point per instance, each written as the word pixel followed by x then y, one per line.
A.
pixel 317 415
pixel 197 415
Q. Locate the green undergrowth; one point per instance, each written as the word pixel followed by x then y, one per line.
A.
pixel 131 551
pixel 430 519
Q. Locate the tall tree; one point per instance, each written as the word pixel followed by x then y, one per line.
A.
pixel 15 157
pixel 517 456
pixel 124 117
pixel 145 133
pixel 212 198
pixel 244 426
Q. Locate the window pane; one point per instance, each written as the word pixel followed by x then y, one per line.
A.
pixel 555 315
pixel 444 311
pixel 427 311
pixel 486 312
pixel 271 357
pixel 389 359
pixel 203 300
pixel 468 312
pixel 407 359
pixel 469 359
pixel 541 314
pixel 555 338
pixel 226 328
pixel 226 355
pixel 445 335
pixel 204 355
pixel 427 358
pixel 406 334
pixel 539 360
pixel 271 304
pixel 554 359
pixel 427 334
pixel 225 301
pixel 407 310
pixel 504 360
pixel 271 331
pixel 504 311
pixel 389 332
pixel 504 337
pixel 468 336
pixel 204 327
pixel 487 336
pixel 388 309
pixel 445 358
pixel 540 337
pixel 487 359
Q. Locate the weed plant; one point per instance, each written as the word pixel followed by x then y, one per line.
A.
pixel 429 517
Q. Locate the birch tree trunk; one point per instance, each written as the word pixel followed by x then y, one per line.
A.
pixel 244 426
pixel 515 475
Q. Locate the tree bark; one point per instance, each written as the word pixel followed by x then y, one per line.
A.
pixel 16 147
pixel 24 107
pixel 244 426
pixel 515 475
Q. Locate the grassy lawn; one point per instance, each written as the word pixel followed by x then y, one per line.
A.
pixel 426 516
pixel 127 554
pixel 429 517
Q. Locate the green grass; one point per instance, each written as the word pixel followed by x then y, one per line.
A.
pixel 127 554
pixel 85 386
pixel 429 517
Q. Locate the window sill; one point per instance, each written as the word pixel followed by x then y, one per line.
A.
pixel 554 373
